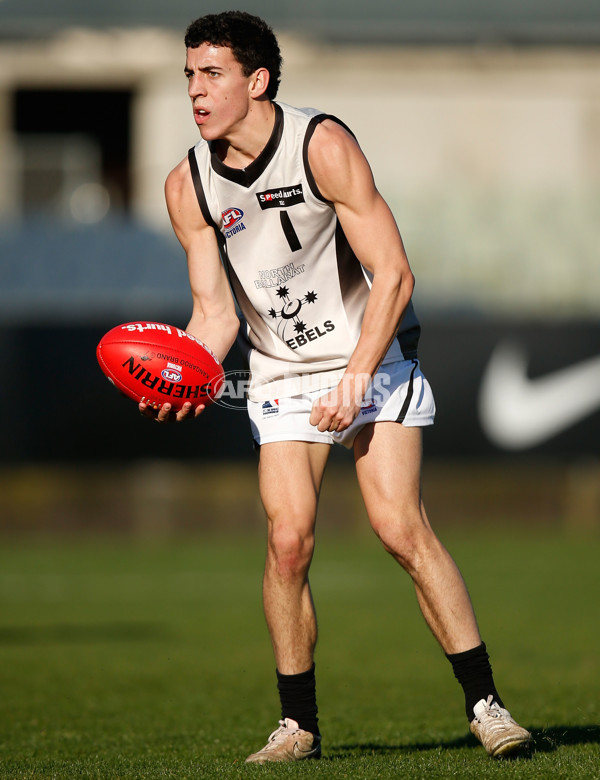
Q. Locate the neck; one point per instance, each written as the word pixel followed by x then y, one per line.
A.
pixel 245 144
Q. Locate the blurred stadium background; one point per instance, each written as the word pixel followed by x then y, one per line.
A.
pixel 482 125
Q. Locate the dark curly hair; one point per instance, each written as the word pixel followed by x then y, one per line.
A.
pixel 251 40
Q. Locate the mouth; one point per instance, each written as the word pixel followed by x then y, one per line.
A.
pixel 200 115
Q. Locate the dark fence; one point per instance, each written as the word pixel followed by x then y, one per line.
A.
pixel 519 389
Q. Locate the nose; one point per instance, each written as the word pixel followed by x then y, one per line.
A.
pixel 196 85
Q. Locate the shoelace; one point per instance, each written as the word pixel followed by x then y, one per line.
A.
pixel 495 712
pixel 492 708
pixel 278 736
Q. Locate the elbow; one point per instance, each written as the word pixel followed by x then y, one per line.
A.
pixel 227 328
pixel 231 327
pixel 405 284
pixel 399 277
pixel 408 284
pixel 223 338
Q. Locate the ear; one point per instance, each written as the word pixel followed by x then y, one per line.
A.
pixel 259 83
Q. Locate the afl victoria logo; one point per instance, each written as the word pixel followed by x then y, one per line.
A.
pixel 231 217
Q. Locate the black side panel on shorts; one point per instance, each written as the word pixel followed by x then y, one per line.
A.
pixel 409 394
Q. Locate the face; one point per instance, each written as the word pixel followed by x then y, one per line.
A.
pixel 220 93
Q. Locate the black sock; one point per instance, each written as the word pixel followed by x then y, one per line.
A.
pixel 473 671
pixel 298 696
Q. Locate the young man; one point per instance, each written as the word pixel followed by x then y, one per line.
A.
pixel 279 206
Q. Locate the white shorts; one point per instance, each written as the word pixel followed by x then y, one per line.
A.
pixel 398 393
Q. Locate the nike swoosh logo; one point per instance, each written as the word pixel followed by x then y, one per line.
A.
pixel 517 412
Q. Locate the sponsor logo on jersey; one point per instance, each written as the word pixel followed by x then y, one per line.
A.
pixel 270 407
pixel 280 198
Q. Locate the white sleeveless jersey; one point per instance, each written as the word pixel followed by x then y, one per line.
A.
pixel 299 286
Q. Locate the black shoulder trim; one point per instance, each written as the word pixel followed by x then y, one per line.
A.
pixel 202 202
pixel 312 126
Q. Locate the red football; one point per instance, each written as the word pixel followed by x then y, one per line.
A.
pixel 160 363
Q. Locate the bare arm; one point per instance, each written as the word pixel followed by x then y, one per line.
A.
pixel 344 177
pixel 213 319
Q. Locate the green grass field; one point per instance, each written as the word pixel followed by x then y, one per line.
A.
pixel 121 660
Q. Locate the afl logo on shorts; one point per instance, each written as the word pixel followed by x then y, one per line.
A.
pixel 231 217
pixel 269 408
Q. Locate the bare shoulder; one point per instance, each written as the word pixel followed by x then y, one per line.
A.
pixel 331 143
pixel 337 161
pixel 182 202
pixel 178 181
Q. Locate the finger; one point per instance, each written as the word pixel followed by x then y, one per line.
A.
pixel 163 414
pixel 339 426
pixel 146 409
pixel 185 412
pixel 325 423
pixel 319 412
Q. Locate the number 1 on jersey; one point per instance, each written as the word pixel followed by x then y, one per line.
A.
pixel 289 232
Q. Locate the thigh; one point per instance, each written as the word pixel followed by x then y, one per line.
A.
pixel 290 477
pixel 388 466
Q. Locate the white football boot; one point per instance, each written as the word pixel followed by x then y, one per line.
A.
pixel 497 731
pixel 288 743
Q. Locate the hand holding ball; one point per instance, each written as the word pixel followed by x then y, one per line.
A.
pixel 160 364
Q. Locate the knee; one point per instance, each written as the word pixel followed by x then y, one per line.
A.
pixel 290 550
pixel 408 538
